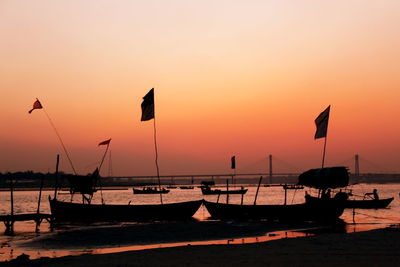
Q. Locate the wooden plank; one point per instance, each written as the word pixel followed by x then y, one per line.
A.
pixel 25 217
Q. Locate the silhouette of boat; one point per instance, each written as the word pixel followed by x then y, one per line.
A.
pixel 206 190
pixel 335 177
pixel 68 211
pixel 186 187
pixel 86 211
pixel 313 209
pixel 150 190
pixel 316 211
pixel 368 203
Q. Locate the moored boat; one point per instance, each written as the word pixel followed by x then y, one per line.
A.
pixel 186 187
pixel 69 211
pixel 362 203
pixel 150 190
pixel 317 211
pixel 368 203
pixel 208 191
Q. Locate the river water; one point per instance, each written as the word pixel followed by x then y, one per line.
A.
pixel 26 202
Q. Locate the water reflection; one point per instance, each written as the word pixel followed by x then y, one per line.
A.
pixel 25 201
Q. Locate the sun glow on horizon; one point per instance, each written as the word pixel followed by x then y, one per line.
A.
pixel 230 78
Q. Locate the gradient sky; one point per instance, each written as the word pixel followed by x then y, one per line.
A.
pixel 244 78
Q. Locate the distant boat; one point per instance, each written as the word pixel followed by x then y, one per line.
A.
pixel 206 190
pixel 68 211
pixel 207 183
pixel 150 190
pixel 186 187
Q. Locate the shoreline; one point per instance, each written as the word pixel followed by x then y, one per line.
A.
pixel 369 248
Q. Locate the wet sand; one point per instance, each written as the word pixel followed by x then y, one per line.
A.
pixel 371 248
pixel 159 233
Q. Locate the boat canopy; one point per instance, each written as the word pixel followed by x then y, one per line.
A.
pixel 84 184
pixel 323 178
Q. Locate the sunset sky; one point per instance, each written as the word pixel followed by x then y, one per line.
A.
pixel 244 78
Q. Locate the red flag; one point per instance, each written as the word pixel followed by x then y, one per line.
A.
pixel 322 123
pixel 105 142
pixel 36 105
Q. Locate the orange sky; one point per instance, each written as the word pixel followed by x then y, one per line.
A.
pixel 244 78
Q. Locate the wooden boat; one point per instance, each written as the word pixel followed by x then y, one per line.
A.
pixel 150 190
pixel 314 209
pixel 68 211
pixel 309 211
pixel 208 191
pixel 364 203
pixel 369 203
pixel 186 187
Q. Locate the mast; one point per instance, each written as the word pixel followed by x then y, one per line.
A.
pixel 322 128
pixel 106 142
pixel 148 113
pixel 38 105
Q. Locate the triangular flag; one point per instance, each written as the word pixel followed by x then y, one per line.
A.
pixel 36 105
pixel 105 142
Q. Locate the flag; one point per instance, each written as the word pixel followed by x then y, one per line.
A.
pixel 36 105
pixel 148 106
pixel 105 142
pixel 233 163
pixel 322 123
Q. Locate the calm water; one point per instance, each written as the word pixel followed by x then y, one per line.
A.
pixel 26 202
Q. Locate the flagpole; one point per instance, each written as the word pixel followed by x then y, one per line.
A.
pixel 155 146
pixel 59 138
pixel 323 155
pixel 99 177
pixel 104 155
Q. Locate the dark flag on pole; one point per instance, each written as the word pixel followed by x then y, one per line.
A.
pixel 105 142
pixel 322 123
pixel 36 105
pixel 148 106
pixel 233 163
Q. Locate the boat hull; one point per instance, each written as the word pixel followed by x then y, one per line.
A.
pixel 207 191
pixel 68 211
pixel 149 191
pixel 317 211
pixel 369 203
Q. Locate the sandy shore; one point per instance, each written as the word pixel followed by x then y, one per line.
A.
pixel 371 248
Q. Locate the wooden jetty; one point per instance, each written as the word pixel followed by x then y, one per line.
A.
pixel 37 217
pixel 9 220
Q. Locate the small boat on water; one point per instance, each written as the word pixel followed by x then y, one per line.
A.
pixel 206 190
pixel 315 211
pixel 368 203
pixel 364 203
pixel 69 211
pixel 150 190
pixel 186 187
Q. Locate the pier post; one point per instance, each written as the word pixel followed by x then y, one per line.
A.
pixel 56 184
pixel 227 191
pixel 285 187
pixel 258 188
pixel 10 224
